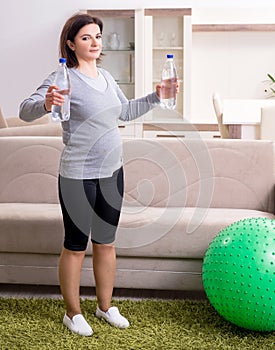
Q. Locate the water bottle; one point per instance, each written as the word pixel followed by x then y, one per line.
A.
pixel 168 84
pixel 62 80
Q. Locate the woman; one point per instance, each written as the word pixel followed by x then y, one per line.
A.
pixel 91 173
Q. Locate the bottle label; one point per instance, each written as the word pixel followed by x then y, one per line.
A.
pixel 168 88
pixel 62 113
pixel 63 92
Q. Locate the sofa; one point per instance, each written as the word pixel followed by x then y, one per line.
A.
pixel 179 193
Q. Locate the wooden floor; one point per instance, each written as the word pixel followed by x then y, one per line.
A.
pixel 40 291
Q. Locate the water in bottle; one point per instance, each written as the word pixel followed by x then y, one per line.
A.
pixel 62 80
pixel 168 84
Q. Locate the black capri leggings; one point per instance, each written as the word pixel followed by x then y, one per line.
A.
pixel 90 206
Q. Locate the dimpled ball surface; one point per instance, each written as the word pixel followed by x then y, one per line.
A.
pixel 239 273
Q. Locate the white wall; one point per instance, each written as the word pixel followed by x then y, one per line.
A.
pixel 30 29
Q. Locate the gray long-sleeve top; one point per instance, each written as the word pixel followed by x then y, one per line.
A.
pixel 93 146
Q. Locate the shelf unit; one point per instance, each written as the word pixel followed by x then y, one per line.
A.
pixel 168 31
pixel 120 62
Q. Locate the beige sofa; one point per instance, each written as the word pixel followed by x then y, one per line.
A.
pixel 178 195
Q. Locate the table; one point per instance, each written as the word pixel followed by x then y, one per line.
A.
pixel 244 116
pixel 179 129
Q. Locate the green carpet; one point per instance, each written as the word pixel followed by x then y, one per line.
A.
pixel 179 324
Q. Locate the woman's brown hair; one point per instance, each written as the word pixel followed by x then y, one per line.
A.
pixel 70 30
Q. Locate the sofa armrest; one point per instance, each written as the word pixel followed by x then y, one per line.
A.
pixel 51 129
pixel 16 121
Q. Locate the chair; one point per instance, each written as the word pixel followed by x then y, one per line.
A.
pixel 267 127
pixel 224 129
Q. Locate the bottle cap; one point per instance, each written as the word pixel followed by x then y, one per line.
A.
pixel 62 60
pixel 170 55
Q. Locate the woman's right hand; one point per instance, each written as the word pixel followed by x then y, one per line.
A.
pixel 53 98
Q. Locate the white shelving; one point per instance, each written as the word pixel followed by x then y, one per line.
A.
pixel 168 48
pixel 167 31
pixel 120 62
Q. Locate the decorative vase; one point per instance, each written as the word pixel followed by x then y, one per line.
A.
pixel 114 41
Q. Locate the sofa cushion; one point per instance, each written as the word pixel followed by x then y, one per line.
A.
pixel 174 232
pixel 200 173
pixel 29 169
pixel 31 228
pixel 143 232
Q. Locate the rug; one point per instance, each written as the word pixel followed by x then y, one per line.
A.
pixel 29 324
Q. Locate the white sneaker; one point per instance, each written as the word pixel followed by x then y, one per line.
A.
pixel 113 317
pixel 78 325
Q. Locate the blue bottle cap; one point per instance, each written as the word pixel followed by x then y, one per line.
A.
pixel 170 55
pixel 62 60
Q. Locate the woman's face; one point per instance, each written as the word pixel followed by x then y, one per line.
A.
pixel 87 43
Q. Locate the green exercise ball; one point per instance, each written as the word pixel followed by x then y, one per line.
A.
pixel 238 273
